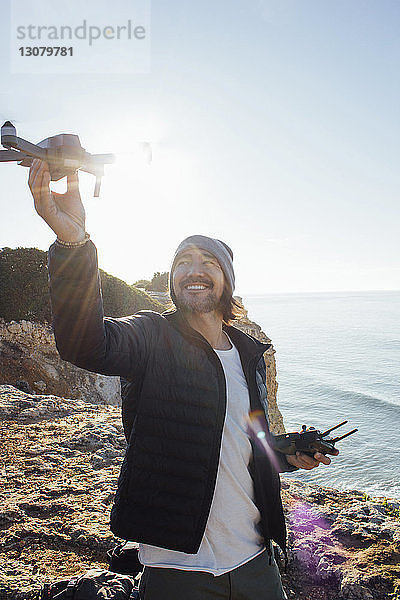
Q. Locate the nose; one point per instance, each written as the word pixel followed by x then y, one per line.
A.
pixel 195 268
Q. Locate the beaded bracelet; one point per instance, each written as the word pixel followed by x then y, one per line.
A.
pixel 73 244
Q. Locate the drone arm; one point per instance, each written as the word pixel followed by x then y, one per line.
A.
pixel 10 155
pixel 12 141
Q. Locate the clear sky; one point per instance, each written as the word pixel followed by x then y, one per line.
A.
pixel 274 126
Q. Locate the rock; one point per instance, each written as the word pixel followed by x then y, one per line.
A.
pixel 29 348
pixel 354 558
pixel 105 457
pixel 93 438
pixel 305 554
pixel 40 385
pixel 10 516
pixel 355 591
pixel 10 404
pixel 326 569
pixel 15 404
pixel 22 385
pixel 13 327
pixel 38 449
pixel 343 528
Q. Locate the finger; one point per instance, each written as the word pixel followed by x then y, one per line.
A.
pixel 34 179
pixel 37 181
pixel 41 193
pixel 33 172
pixel 39 164
pixel 36 173
pixel 306 461
pixel 72 182
pixel 322 458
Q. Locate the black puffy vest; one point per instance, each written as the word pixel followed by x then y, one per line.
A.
pixel 173 418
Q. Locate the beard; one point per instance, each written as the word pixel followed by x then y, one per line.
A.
pixel 193 304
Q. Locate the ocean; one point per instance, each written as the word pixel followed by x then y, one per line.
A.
pixel 338 358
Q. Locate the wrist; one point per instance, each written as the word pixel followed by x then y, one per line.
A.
pixel 291 460
pixel 76 243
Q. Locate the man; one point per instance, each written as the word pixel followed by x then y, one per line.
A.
pixel 197 492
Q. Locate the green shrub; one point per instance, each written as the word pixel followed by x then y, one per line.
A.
pixel 141 283
pixel 121 299
pixel 24 289
pixel 159 283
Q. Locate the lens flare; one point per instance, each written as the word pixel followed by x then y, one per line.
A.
pixel 257 430
pixel 304 519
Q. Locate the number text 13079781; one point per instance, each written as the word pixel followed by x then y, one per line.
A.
pixel 46 51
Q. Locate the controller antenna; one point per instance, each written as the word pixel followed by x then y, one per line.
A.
pixel 333 428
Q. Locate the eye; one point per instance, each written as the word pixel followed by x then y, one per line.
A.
pixel 211 262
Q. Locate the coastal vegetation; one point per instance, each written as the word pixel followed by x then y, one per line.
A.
pixel 159 283
pixel 24 289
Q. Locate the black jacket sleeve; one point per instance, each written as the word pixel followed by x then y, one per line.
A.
pixel 83 336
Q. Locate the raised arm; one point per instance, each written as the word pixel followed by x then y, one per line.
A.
pixel 83 336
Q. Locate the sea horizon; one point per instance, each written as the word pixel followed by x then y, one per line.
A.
pixel 283 293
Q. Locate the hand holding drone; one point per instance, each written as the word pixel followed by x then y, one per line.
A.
pixel 63 153
pixel 308 440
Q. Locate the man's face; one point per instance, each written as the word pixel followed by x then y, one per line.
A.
pixel 198 281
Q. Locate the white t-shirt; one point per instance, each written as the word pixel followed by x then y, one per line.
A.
pixel 231 537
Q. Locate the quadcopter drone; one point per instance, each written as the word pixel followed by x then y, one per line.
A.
pixel 308 440
pixel 63 153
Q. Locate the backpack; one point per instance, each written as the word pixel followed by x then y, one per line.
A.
pixel 95 584
pixel 124 560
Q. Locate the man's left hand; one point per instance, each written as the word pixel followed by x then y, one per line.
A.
pixel 305 461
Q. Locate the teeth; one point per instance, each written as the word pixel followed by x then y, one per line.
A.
pixel 196 287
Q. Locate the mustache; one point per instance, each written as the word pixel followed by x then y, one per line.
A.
pixel 191 280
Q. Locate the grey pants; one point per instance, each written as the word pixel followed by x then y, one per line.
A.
pixel 255 580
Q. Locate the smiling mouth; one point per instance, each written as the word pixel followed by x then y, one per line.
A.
pixel 196 287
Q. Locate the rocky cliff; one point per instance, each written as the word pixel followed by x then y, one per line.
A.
pixel 28 355
pixel 275 416
pixel 59 464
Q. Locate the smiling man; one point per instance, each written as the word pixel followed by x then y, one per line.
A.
pixel 196 491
